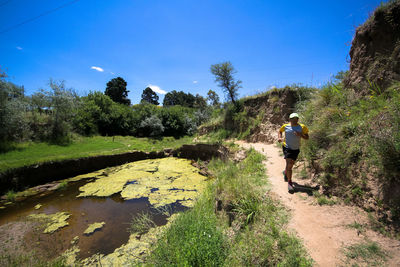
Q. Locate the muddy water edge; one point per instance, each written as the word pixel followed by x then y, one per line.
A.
pixel 19 233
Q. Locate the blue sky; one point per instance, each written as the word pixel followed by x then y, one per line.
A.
pixel 171 44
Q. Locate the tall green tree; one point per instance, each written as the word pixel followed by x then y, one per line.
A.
pixel 223 73
pixel 116 90
pixel 199 102
pixel 13 107
pixel 213 98
pixel 63 107
pixel 175 98
pixel 149 96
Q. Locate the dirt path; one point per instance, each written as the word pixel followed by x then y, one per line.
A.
pixel 323 229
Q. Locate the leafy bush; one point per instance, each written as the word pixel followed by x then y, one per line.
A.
pixel 174 120
pixel 152 126
pixel 13 107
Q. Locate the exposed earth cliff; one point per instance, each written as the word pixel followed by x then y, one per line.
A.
pixel 375 50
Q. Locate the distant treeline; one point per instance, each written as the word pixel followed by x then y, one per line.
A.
pixel 53 115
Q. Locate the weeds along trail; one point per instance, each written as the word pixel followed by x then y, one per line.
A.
pixel 325 230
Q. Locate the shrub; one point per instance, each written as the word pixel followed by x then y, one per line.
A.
pixel 152 126
pixel 174 118
pixel 13 107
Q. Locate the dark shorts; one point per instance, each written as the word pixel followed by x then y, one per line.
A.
pixel 290 154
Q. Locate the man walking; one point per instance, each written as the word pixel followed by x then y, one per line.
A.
pixel 294 131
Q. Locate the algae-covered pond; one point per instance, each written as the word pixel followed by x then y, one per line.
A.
pixel 92 213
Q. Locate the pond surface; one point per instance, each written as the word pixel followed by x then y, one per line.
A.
pixel 124 192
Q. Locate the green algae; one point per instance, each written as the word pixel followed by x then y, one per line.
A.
pixel 38 206
pixel 133 252
pixel 93 227
pixel 70 256
pixel 162 181
pixel 75 240
pixel 52 222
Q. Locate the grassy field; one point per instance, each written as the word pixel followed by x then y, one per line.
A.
pixel 29 153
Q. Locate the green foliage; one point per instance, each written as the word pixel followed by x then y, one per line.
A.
pixel 141 223
pixel 367 252
pixel 63 110
pixel 29 259
pixel 98 113
pixel 152 126
pixel 62 186
pixel 197 237
pixel 262 239
pixel 180 98
pixel 213 98
pixel 359 227
pixel 13 107
pixel 323 200
pixel 149 96
pixel 223 73
pixel 174 119
pixel 10 195
pixel 200 102
pixel 247 207
pixel 350 135
pixel 116 90
pixel 193 238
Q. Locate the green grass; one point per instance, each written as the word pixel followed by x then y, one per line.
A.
pixel 367 252
pixel 249 229
pixel 31 153
pixel 11 195
pixel 323 200
pixel 358 226
pixel 28 259
pixel 193 238
pixel 141 223
pixel 62 186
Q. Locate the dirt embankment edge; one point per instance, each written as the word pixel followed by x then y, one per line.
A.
pixel 20 178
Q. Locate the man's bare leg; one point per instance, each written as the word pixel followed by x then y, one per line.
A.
pixel 289 167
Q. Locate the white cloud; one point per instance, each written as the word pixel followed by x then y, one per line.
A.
pixel 19 48
pixel 97 68
pixel 157 89
pixel 195 82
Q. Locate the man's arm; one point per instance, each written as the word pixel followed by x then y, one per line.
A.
pixel 280 138
pixel 304 132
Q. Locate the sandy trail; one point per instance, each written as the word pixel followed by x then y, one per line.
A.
pixel 323 229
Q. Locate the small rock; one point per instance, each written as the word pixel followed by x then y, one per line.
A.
pixel 38 206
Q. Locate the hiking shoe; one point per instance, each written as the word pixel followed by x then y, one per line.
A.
pixel 290 188
pixel 284 176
